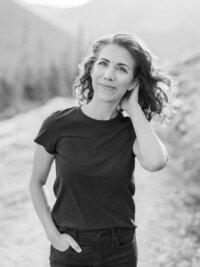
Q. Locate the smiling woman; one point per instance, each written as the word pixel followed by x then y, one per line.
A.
pixel 57 3
pixel 112 73
pixel 94 146
pixel 127 55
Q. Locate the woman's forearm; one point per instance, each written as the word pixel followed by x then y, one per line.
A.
pixel 152 151
pixel 43 209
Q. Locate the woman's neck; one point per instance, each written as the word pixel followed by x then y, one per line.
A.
pixel 100 111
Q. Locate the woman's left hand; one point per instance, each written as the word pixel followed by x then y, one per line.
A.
pixel 130 99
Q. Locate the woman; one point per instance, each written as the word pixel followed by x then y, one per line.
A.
pixel 94 145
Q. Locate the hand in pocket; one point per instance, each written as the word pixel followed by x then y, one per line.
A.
pixel 62 242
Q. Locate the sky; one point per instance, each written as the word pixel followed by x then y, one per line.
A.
pixel 57 3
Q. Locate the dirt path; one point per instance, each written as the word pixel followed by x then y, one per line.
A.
pixel 160 216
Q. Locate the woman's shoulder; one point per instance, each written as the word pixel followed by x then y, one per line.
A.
pixel 59 115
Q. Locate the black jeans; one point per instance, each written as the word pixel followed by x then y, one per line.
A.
pixel 111 247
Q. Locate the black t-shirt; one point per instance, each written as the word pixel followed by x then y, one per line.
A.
pixel 94 162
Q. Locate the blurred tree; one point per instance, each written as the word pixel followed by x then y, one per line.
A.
pixel 67 70
pixel 22 63
pixel 35 79
pixel 184 131
pixel 6 94
pixel 53 81
pixel 80 48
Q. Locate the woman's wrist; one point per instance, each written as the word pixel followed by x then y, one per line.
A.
pixel 52 233
pixel 133 111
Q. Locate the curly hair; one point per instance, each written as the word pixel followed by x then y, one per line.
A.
pixel 156 89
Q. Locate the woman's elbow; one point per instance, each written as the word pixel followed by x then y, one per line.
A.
pixel 34 184
pixel 155 165
pixel 159 166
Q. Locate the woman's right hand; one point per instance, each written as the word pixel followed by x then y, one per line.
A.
pixel 62 242
pixel 38 179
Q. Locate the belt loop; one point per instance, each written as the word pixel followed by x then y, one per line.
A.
pixel 113 237
pixel 75 232
pixel 113 232
pixel 97 237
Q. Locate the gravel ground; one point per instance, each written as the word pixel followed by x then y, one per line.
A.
pixel 164 221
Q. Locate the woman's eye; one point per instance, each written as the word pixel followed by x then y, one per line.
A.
pixel 102 63
pixel 122 69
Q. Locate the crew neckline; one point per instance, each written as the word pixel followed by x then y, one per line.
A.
pixel 97 121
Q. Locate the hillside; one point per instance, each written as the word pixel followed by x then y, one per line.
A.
pixel 25 35
pixel 169 27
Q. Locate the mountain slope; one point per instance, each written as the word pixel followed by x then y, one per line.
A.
pixel 169 27
pixel 24 34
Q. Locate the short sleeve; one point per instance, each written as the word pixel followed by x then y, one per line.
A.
pixel 48 133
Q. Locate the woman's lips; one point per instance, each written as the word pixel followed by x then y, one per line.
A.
pixel 107 86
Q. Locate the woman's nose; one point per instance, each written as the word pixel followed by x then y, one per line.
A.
pixel 109 74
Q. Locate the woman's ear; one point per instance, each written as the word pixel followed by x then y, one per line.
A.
pixel 133 84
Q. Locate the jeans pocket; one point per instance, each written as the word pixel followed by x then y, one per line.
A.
pixel 55 250
pixel 125 238
pixel 71 233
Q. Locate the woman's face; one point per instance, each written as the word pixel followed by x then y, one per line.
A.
pixel 112 73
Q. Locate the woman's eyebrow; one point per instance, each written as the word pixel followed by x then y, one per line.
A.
pixel 121 64
pixel 105 59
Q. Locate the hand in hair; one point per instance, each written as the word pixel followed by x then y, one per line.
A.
pixel 130 98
